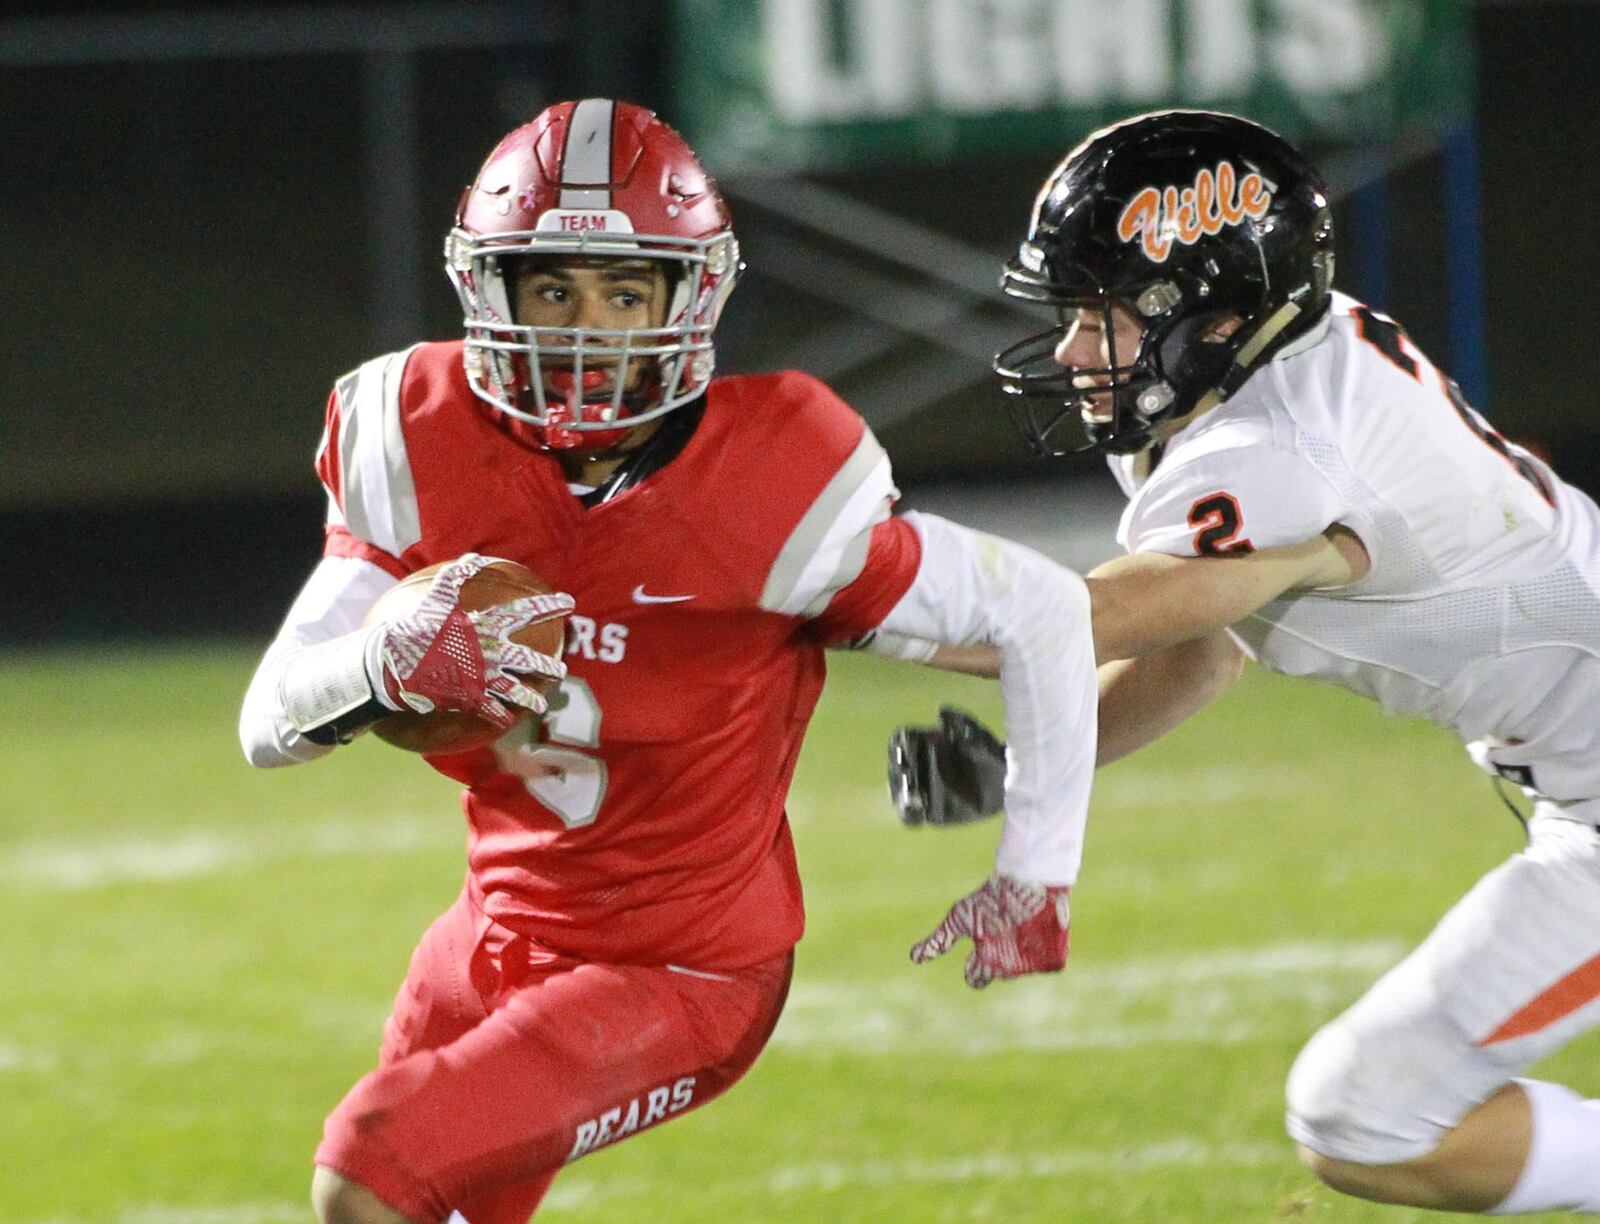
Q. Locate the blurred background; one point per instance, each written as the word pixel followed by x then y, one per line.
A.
pixel 210 213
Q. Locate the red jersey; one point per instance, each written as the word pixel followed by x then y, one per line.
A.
pixel 643 820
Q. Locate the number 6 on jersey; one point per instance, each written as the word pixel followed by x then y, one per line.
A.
pixel 570 783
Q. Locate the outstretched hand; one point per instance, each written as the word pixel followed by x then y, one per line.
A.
pixel 1017 927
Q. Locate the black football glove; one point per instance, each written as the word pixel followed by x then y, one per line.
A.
pixel 951 774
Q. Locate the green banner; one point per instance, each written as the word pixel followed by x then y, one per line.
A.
pixel 817 84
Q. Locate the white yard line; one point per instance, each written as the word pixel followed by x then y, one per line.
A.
pixel 233 1213
pixel 1221 997
pixel 14 1057
pixel 111 861
pixel 572 1192
pixel 1172 788
pixel 285 1212
pixel 1187 788
pixel 1224 997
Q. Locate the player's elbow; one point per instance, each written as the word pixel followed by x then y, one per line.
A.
pixel 260 754
pixel 266 750
pixel 260 757
pixel 1205 668
pixel 265 733
pixel 1218 662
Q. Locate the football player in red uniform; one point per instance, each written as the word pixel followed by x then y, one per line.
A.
pixel 621 948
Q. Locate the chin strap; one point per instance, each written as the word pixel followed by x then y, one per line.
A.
pixel 566 406
pixel 660 449
pixel 1240 368
pixel 1244 361
pixel 1266 334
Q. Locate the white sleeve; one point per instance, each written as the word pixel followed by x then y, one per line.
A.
pixel 1240 499
pixel 331 604
pixel 974 588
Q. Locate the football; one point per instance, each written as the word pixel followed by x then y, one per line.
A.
pixel 447 731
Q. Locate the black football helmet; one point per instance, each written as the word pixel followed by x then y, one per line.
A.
pixel 1184 218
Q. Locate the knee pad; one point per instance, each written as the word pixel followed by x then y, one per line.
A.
pixel 1352 1101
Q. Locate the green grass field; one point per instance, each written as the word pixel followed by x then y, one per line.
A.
pixel 196 958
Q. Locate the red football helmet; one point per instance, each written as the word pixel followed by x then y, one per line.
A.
pixel 595 179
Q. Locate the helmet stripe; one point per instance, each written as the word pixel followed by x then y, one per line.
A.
pixel 586 159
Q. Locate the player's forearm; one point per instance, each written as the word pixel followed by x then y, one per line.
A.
pixel 308 697
pixel 266 734
pixel 330 606
pixel 1149 601
pixel 975 590
pixel 1142 699
pixel 981 660
pixel 1048 684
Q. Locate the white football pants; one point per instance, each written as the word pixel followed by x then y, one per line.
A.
pixel 1510 974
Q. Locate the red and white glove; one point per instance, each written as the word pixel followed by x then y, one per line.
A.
pixel 1016 927
pixel 444 657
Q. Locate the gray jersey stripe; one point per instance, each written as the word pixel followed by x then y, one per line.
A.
pixel 380 497
pixel 851 563
pixel 405 519
pixel 813 527
pixel 586 159
pixel 350 429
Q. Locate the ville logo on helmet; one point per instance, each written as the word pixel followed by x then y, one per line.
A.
pixel 1157 217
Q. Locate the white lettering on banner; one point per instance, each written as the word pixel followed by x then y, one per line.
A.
pixel 902 57
pixel 1112 49
pixel 1325 47
pixel 1221 37
pixel 879 80
pixel 1014 75
pixel 1021 54
pixel 623 1120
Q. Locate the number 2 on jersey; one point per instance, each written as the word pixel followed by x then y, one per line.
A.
pixel 1385 335
pixel 572 784
pixel 1219 521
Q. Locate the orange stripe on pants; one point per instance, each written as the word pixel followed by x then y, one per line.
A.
pixel 1565 997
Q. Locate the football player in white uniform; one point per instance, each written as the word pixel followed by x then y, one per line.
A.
pixel 1308 490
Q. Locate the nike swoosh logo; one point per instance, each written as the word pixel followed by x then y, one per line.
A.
pixel 639 597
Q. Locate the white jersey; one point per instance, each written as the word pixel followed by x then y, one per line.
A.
pixel 1481 611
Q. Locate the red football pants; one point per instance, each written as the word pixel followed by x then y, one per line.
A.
pixel 502 1062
